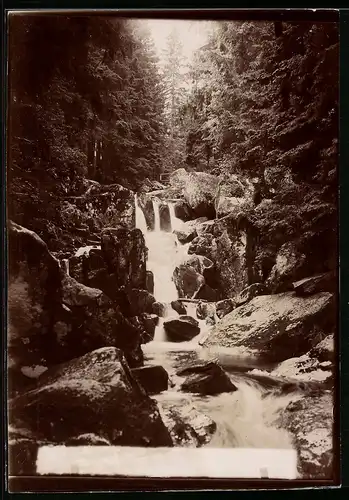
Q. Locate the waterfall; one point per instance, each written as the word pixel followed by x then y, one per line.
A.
pixel 140 218
pixel 156 207
pixel 65 266
pixel 164 254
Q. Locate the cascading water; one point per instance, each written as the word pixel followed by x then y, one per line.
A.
pixel 244 418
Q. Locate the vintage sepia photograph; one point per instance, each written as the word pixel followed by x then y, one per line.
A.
pixel 172 246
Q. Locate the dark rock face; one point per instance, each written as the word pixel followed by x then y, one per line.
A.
pixel 153 379
pixel 146 204
pixel 149 322
pixel 207 378
pixel 224 307
pixel 95 322
pixel 250 293
pixel 125 254
pixel 205 292
pixel 141 301
pixel 53 317
pixel 95 394
pixel 325 282
pixel 183 211
pixel 178 306
pixel 150 282
pixel 277 327
pixel 187 280
pixel 165 217
pixel 181 328
pixel 34 297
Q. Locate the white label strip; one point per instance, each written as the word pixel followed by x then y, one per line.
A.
pixel 168 462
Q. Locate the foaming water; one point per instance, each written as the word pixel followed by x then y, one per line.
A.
pixel 245 418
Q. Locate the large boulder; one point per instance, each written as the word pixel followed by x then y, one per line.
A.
pixel 94 394
pixel 187 280
pixel 206 378
pixel 181 328
pixel 232 196
pixel 198 190
pixel 276 327
pixel 141 301
pixel 34 297
pixel 125 254
pixel 95 322
pixel 182 210
pixel 310 421
pixel 153 378
pixel 230 243
pixel 179 307
pixel 187 426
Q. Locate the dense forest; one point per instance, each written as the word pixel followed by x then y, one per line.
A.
pixel 165 195
pixel 87 100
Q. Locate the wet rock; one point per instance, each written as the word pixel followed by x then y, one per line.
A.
pixel 206 378
pixel 325 282
pixel 153 379
pixel 224 307
pixel 250 292
pixel 149 322
pixel 187 426
pixel 277 327
pixel 125 254
pixel 185 236
pixel 181 328
pixel 150 282
pixel 183 211
pixel 94 394
pixel 141 301
pixel 178 306
pixel 159 309
pixel 165 217
pixel 187 280
pixel 310 421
